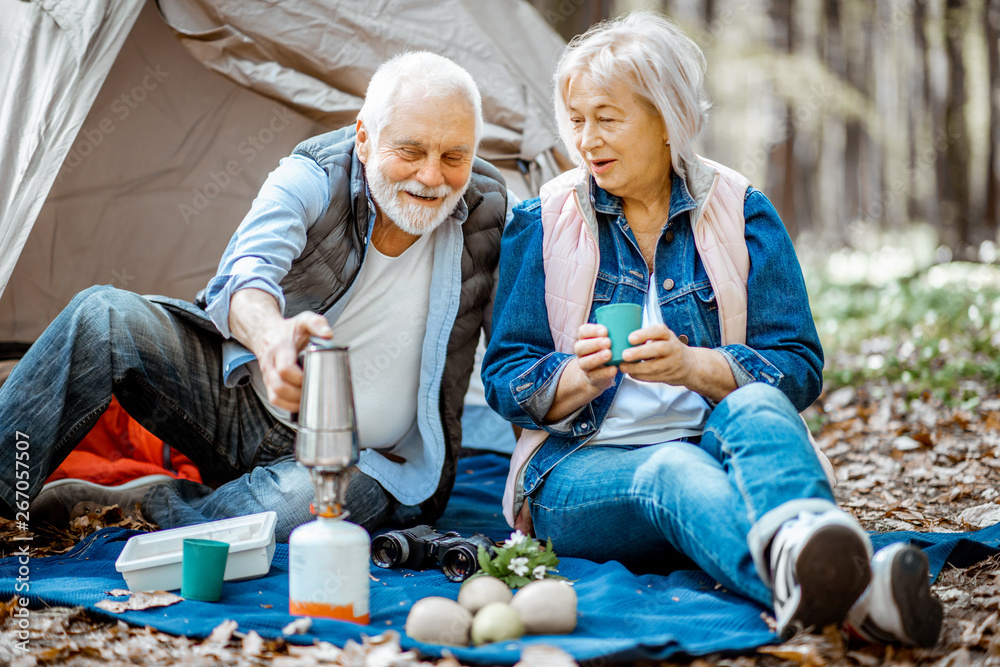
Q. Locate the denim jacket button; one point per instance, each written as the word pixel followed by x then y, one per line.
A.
pixel 683 338
pixel 585 426
pixel 668 284
pixel 668 235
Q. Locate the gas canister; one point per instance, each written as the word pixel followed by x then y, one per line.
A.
pixel 328 561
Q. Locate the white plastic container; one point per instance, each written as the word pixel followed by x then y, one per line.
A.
pixel 328 562
pixel 152 562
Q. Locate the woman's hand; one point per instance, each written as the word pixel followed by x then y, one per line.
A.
pixel 593 352
pixel 586 377
pixel 658 355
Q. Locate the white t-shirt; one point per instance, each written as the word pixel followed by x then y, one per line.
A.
pixel 383 327
pixel 648 413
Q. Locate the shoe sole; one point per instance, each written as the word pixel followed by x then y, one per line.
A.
pixel 920 612
pixel 45 506
pixel 146 480
pixel 828 588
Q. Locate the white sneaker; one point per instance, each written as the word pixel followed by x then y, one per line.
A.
pixel 64 499
pixel 898 606
pixel 819 568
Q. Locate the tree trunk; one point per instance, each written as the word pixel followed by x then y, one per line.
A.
pixel 954 176
pixel 781 172
pixel 992 217
pixel 834 132
pixel 921 119
pixel 854 165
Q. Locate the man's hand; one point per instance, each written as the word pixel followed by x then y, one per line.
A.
pixel 256 321
pixel 280 344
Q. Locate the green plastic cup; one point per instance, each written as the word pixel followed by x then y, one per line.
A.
pixel 202 569
pixel 621 319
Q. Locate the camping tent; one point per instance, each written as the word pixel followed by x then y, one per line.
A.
pixel 135 135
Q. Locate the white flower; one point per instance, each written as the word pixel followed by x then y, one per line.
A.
pixel 517 537
pixel 519 566
pixel 539 572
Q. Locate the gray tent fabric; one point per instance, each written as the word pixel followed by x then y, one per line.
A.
pixel 56 55
pixel 316 56
pixel 152 187
pixel 169 154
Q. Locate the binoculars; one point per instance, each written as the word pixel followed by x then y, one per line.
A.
pixel 422 547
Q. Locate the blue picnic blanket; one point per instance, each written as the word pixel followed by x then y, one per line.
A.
pixel 622 615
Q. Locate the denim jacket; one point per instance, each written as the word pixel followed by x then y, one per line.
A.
pixel 521 369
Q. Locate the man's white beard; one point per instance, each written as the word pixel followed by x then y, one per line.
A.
pixel 410 216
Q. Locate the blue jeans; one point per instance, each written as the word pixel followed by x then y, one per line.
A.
pixel 717 502
pixel 166 373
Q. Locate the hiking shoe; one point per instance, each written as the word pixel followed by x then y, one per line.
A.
pixel 819 568
pixel 65 499
pixel 898 606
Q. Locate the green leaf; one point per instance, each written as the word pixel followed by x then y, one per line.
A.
pixel 502 560
pixel 485 563
pixel 531 549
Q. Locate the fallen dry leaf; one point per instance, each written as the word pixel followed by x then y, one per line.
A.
pixel 807 656
pixel 138 601
pixel 981 516
pixel 299 626
pixel 8 608
pixel 253 644
pixel 540 655
pixel 320 651
pixel 381 650
pixel 222 633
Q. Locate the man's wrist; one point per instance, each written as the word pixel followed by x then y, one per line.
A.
pixel 253 314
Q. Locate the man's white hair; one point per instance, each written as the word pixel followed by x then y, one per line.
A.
pixel 421 70
pixel 664 68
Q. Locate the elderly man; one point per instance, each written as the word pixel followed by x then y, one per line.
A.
pixel 383 237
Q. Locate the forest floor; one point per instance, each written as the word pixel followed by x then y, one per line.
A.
pixel 910 420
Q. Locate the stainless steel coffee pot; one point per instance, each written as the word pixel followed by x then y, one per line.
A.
pixel 327 437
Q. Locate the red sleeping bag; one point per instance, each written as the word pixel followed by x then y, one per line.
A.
pixel 118 449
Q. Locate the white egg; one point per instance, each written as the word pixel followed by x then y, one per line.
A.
pixel 479 591
pixel 496 622
pixel 437 620
pixel 546 607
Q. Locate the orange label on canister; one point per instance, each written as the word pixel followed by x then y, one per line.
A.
pixel 322 610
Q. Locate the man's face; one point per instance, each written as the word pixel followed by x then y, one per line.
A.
pixel 419 165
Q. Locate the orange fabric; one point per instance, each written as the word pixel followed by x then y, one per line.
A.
pixel 118 449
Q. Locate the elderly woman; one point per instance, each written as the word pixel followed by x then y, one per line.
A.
pixel 692 446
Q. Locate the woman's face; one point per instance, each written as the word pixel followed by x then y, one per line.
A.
pixel 620 139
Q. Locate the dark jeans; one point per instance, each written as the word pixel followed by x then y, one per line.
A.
pixel 166 373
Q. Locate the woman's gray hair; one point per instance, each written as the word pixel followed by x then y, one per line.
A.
pixel 664 68
pixel 434 74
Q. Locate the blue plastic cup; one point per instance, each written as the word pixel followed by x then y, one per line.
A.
pixel 202 569
pixel 621 319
